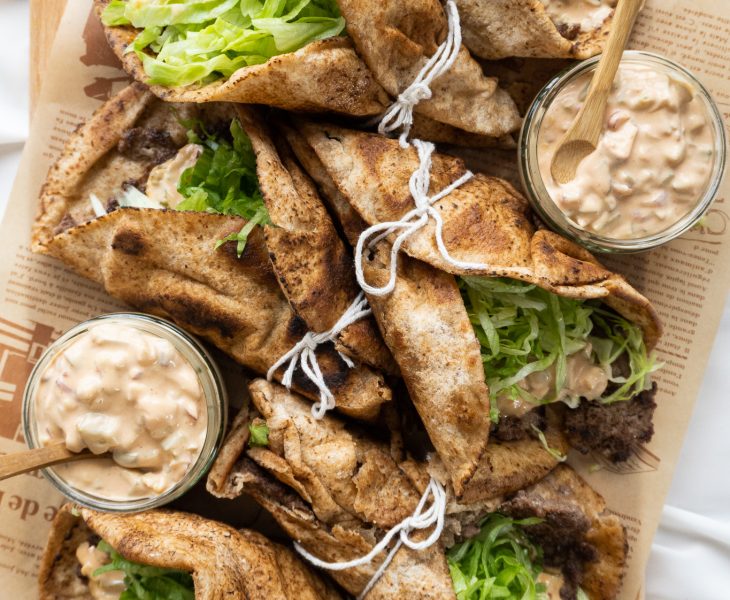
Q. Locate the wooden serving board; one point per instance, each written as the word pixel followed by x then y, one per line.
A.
pixel 45 15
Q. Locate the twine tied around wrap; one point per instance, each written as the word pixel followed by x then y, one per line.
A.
pixel 411 222
pixel 400 114
pixel 422 518
pixel 304 354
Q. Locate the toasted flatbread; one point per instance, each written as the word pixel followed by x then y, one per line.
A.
pixel 311 262
pixel 485 221
pixel 222 561
pixel 574 514
pixel 336 489
pixel 498 29
pixel 396 39
pixel 323 76
pixel 164 261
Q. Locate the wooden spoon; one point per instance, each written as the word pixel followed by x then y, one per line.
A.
pixel 582 137
pixel 38 458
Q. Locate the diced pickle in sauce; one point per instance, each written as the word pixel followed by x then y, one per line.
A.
pixel 121 390
pixel 653 161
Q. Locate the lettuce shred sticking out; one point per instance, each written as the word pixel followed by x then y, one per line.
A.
pixel 523 329
pixel 198 41
pixel 147 583
pixel 259 431
pixel 223 180
pixel 554 452
pixel 498 562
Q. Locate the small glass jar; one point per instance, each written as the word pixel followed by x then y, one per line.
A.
pixel 555 218
pixel 211 383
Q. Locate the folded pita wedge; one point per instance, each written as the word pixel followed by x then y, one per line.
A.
pixel 536 28
pixel 300 453
pixel 396 39
pixel 539 278
pixel 339 488
pixel 187 556
pixel 312 263
pixel 323 75
pixel 411 574
pixel 167 262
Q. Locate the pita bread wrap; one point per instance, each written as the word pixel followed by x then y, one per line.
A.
pixel 323 76
pixel 311 262
pixel 223 562
pixel 485 221
pixel 164 261
pixel 339 488
pixel 396 39
pixel 497 29
pixel 349 491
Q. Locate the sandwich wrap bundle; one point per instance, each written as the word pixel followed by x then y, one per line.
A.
pixel 395 40
pixel 221 561
pixel 168 261
pixel 341 482
pixel 685 280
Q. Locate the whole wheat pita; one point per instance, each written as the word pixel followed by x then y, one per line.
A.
pixel 496 29
pixel 223 562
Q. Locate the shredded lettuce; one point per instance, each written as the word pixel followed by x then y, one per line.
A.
pixel 223 180
pixel 147 583
pixel 183 42
pixel 259 431
pixel 554 452
pixel 499 562
pixel 524 329
pixel 132 197
pixel 96 205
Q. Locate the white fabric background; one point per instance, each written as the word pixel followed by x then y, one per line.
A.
pixel 691 553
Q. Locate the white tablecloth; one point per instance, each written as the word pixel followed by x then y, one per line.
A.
pixel 691 554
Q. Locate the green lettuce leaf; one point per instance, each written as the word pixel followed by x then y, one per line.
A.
pixel 147 583
pixel 523 329
pixel 259 433
pixel 499 562
pixel 198 41
pixel 223 180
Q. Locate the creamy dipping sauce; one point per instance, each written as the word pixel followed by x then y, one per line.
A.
pixel 571 16
pixel 105 586
pixel 163 179
pixel 584 379
pixel 653 162
pixel 552 584
pixel 121 390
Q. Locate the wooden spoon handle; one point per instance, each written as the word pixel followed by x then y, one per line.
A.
pixel 30 460
pixel 602 81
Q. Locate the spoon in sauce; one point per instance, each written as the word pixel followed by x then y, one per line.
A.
pixel 39 458
pixel 582 137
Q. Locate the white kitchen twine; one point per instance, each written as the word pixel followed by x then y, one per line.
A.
pixel 411 222
pixel 400 114
pixel 421 519
pixel 304 354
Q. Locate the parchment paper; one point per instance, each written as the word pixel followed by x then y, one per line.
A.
pixel 687 280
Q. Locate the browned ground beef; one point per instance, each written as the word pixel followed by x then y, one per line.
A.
pixel 612 429
pixel 561 535
pixel 147 144
pixel 510 429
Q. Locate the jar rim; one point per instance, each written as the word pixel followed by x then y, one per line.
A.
pixel 214 392
pixel 539 197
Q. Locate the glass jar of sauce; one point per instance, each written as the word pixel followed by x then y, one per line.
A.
pixel 134 386
pixel 657 167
